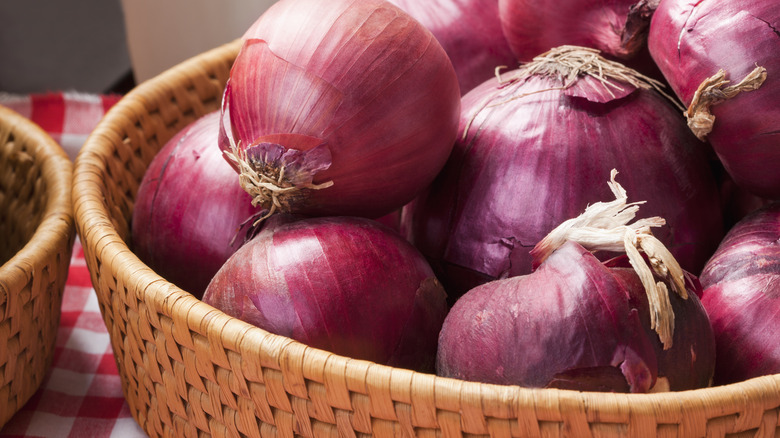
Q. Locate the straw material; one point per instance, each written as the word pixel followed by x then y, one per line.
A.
pixel 190 370
pixel 36 240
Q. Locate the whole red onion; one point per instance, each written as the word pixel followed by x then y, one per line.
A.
pixel 742 296
pixel 469 31
pixel 722 59
pixel 579 323
pixel 347 285
pixel 345 107
pixel 190 212
pixel 532 150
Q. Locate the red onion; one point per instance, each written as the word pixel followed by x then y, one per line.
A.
pixel 742 296
pixel 189 209
pixel 345 107
pixel 615 27
pixel 531 149
pixel 577 323
pixel 469 31
pixel 347 285
pixel 722 59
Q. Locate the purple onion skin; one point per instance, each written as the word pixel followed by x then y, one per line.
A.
pixel 347 285
pixel 691 40
pixel 469 31
pixel 189 208
pixel 690 362
pixel 570 324
pixel 742 296
pixel 528 165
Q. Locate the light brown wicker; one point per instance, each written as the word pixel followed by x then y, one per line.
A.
pixel 190 370
pixel 36 239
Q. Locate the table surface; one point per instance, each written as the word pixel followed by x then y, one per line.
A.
pixel 81 395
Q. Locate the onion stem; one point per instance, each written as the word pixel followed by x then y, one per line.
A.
pixel 567 63
pixel 712 91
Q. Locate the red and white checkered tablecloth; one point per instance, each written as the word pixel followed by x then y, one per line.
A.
pixel 81 395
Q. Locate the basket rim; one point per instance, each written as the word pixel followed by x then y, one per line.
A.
pixel 97 231
pixel 56 228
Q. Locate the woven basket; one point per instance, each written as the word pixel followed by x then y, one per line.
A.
pixel 36 240
pixel 190 370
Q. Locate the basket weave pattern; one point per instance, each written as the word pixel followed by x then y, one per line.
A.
pixel 190 370
pixel 36 240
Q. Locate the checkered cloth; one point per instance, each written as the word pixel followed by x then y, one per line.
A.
pixel 81 395
pixel 68 117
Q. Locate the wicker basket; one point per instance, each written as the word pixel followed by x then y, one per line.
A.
pixel 190 370
pixel 36 240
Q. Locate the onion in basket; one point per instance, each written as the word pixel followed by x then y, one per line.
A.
pixel 347 285
pixel 342 107
pixel 742 295
pixel 530 148
pixel 190 211
pixel 579 323
pixel 722 59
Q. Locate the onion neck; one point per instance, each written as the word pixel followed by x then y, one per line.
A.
pixel 713 90
pixel 604 226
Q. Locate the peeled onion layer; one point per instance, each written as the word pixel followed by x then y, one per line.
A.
pixel 533 155
pixel 570 324
pixel 469 31
pixel 692 41
pixel 371 86
pixel 190 213
pixel 350 286
pixel 742 296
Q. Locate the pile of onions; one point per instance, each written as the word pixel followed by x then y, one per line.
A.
pixel 469 31
pixel 742 296
pixel 722 59
pixel 344 107
pixel 577 323
pixel 347 285
pixel 190 213
pixel 533 144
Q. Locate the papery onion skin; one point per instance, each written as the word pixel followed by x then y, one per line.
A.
pixel 350 286
pixel 691 41
pixel 360 93
pixel 569 324
pixel 527 165
pixel 189 209
pixel 469 31
pixel 742 296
